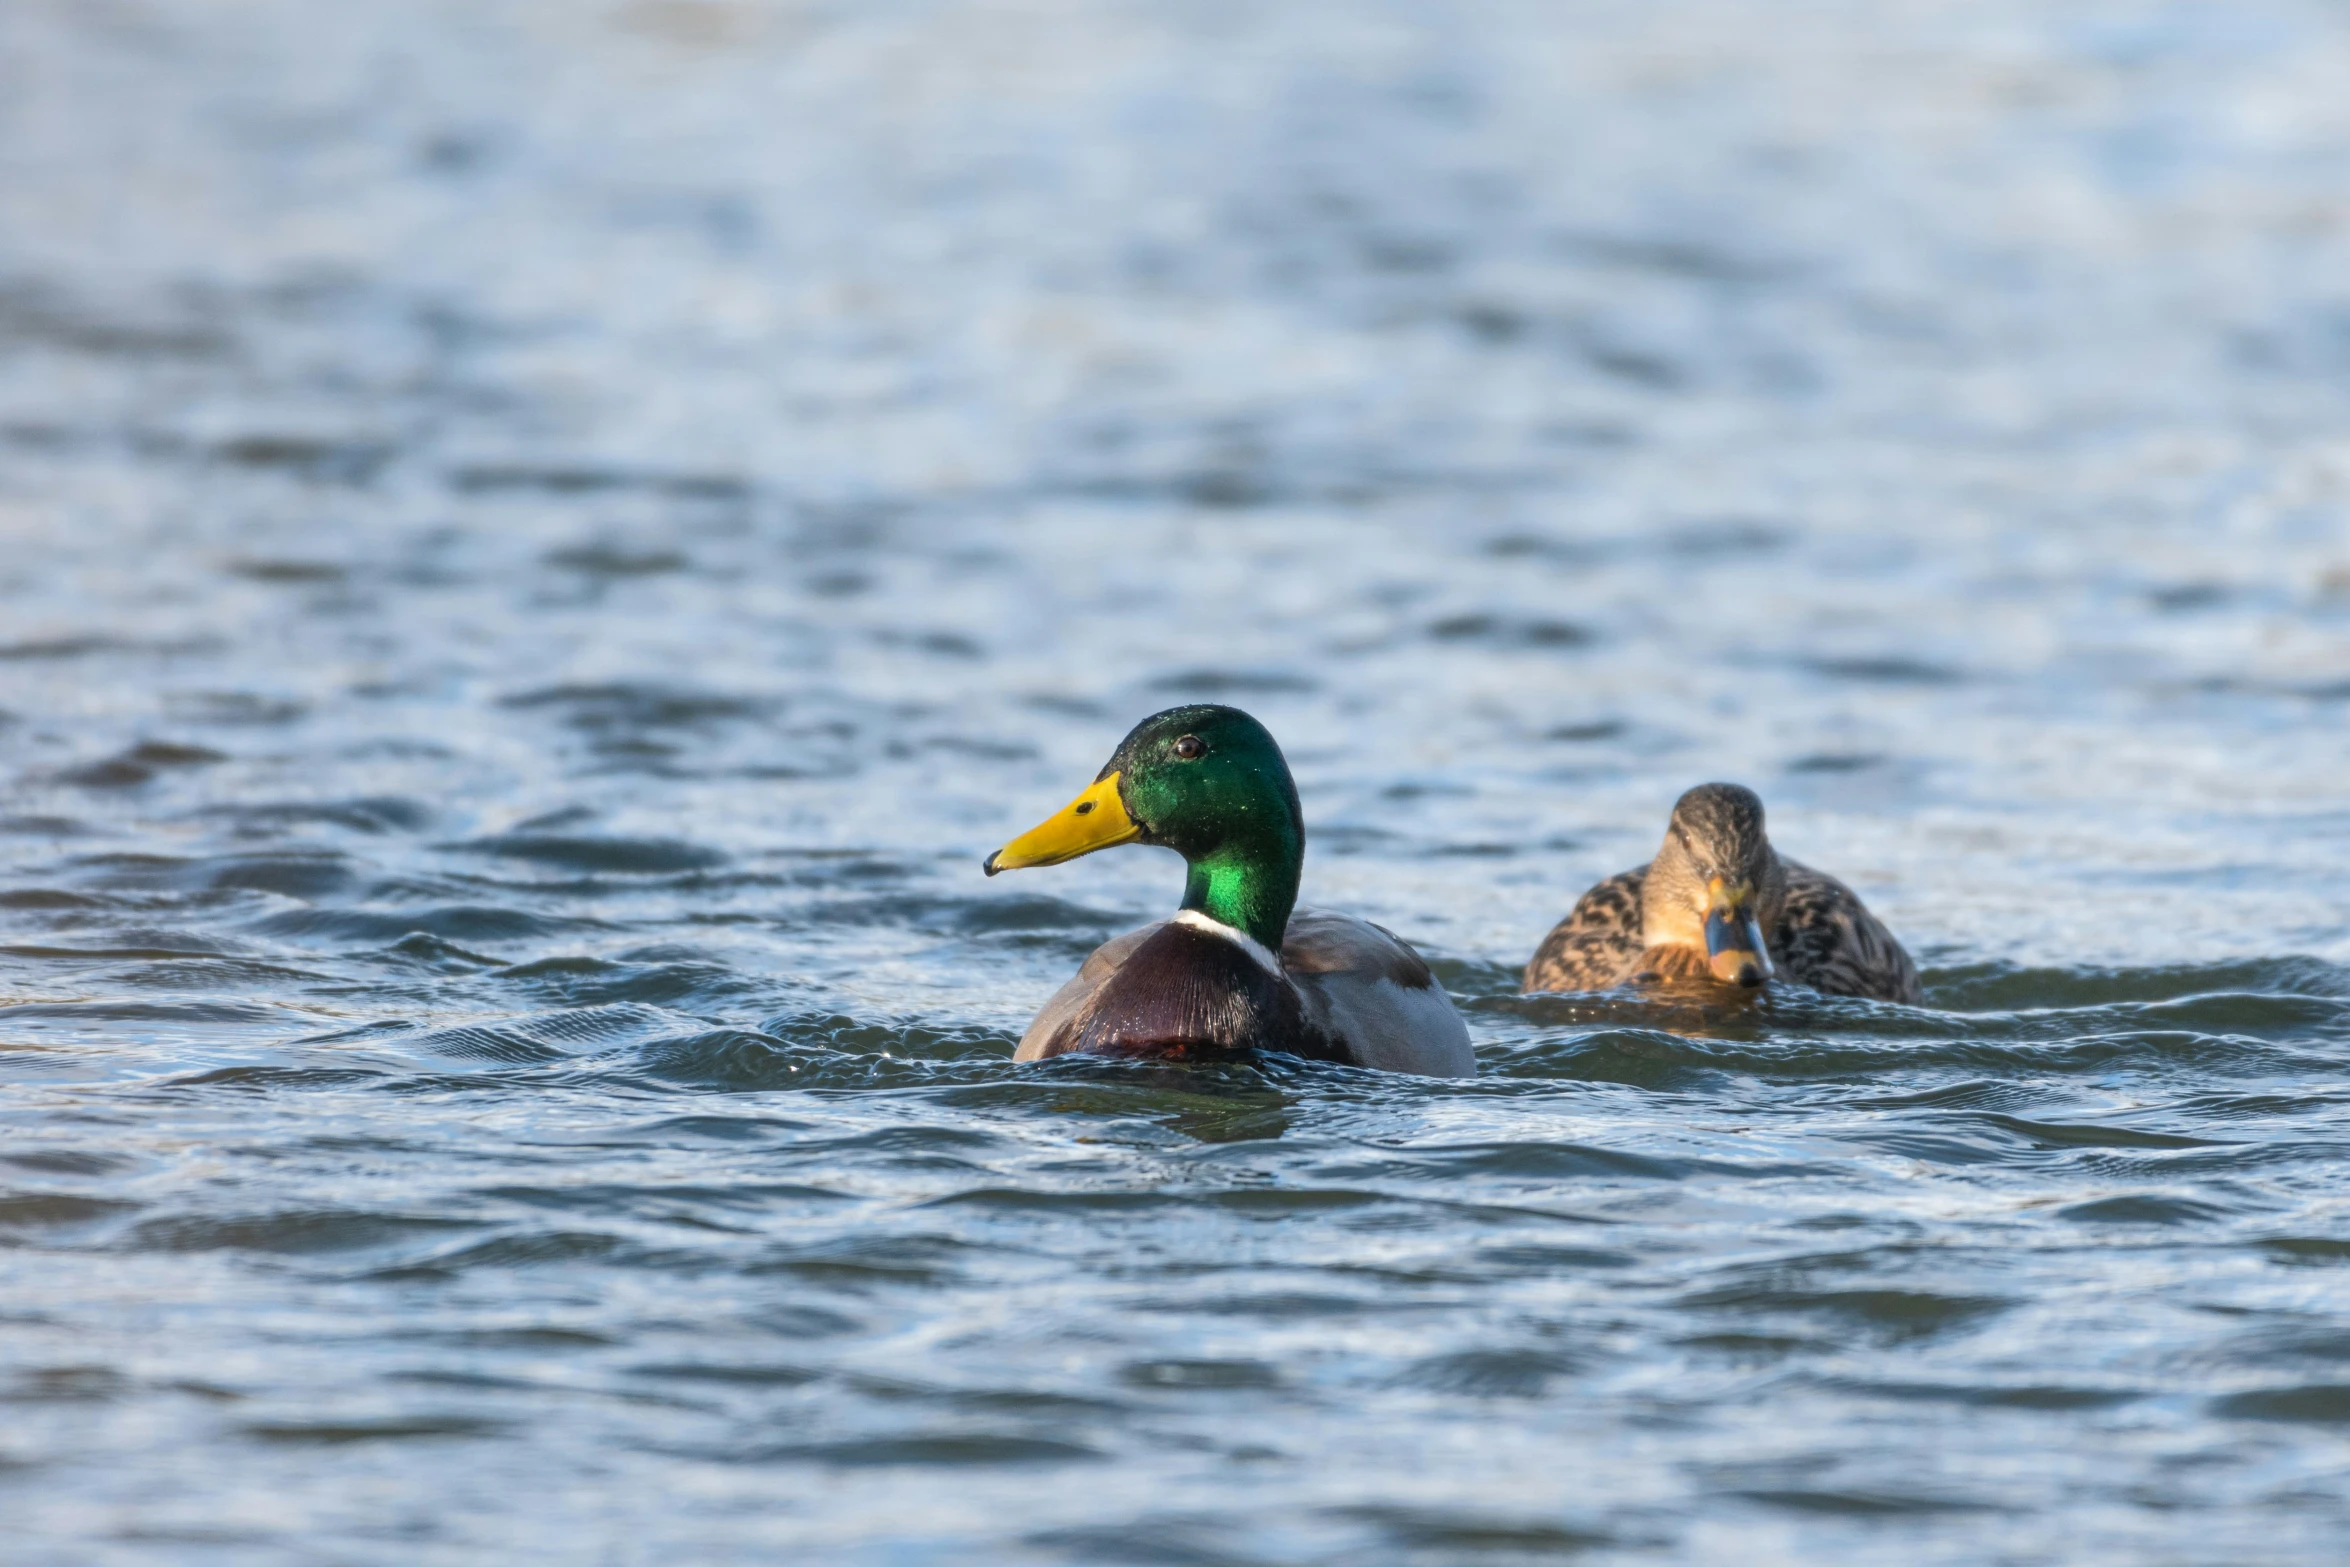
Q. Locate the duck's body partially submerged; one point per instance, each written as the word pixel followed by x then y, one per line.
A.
pixel 1718 902
pixel 1341 990
pixel 1239 968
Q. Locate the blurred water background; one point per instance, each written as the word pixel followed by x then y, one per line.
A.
pixel 543 540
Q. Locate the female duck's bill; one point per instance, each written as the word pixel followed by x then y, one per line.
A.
pixel 1735 951
pixel 1239 967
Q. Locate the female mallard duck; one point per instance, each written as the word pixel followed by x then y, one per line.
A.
pixel 1702 906
pixel 1209 783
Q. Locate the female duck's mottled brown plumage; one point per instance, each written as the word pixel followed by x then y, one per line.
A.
pixel 1681 915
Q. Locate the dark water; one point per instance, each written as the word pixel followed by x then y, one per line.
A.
pixel 544 541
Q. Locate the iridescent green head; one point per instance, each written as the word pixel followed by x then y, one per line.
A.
pixel 1207 782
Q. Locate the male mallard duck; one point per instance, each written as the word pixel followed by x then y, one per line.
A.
pixel 1209 783
pixel 1702 906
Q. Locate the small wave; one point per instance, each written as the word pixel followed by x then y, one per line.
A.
pixel 1887 669
pixel 2148 1208
pixel 627 856
pixel 686 983
pixel 392 1428
pixel 1882 1315
pixel 452 922
pixel 583 479
pixel 1536 1161
pixel 1853 1502
pixel 547 1036
pixel 1533 633
pixel 2326 1403
pixel 88 1012
pixel 140 764
pixel 370 814
pixel 1492 1373
pixel 2005 987
pixel 290 1232
pixel 1016 913
pixel 729 1058
pixel 955 1450
pixel 24 1215
pixel 2234 1034
pixel 1226 685
pixel 1468 1534
pixel 639 706
pixel 51 900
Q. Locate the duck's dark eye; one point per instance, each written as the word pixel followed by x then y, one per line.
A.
pixel 1191 748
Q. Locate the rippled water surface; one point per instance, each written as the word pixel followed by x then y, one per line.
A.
pixel 543 542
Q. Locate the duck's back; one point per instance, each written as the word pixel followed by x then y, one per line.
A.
pixel 1598 944
pixel 1828 939
pixel 1365 987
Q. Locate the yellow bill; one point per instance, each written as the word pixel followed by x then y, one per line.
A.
pixel 1096 819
